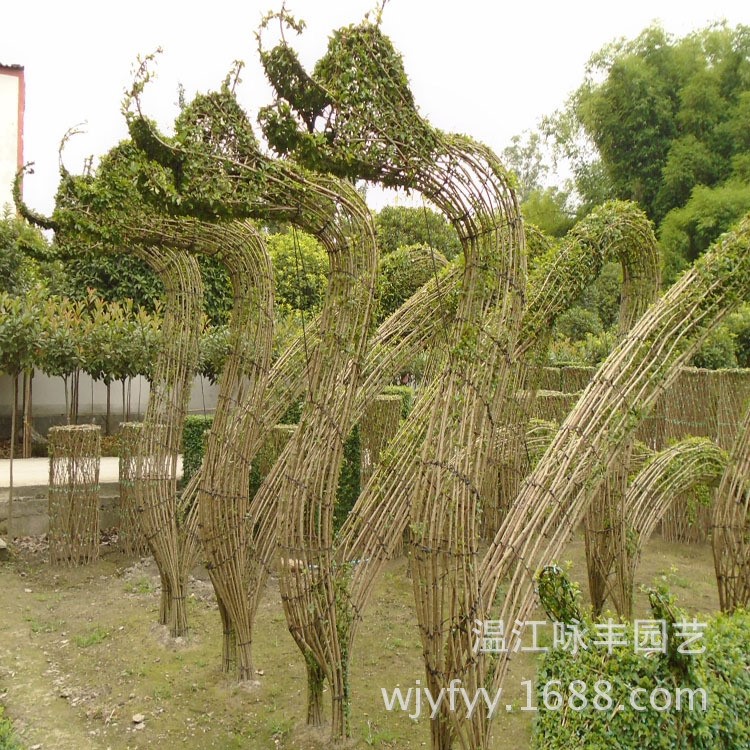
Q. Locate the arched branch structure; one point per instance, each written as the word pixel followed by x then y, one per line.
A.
pixel 381 514
pixel 682 467
pixel 555 496
pixel 387 141
pixel 730 526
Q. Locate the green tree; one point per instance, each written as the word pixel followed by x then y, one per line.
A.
pixel 400 225
pixel 687 232
pixel 19 340
pixel 524 157
pixel 402 272
pixel 113 277
pixel 548 210
pixel 21 248
pixel 300 271
pixel 662 114
pixel 214 350
pixel 60 352
pixel 739 326
pixel 718 351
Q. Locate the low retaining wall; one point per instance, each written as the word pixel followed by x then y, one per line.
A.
pixel 30 509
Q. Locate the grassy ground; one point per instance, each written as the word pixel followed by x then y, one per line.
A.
pixel 80 655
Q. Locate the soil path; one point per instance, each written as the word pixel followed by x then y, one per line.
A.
pixel 31 679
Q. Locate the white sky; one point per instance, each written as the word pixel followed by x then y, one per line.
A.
pixel 488 69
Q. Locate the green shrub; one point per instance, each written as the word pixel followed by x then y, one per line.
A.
pixel 718 350
pixel 739 325
pixel 723 671
pixel 402 272
pixel 576 323
pixel 194 433
pixel 349 485
pixel 8 740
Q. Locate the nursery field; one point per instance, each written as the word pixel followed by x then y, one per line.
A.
pixel 81 655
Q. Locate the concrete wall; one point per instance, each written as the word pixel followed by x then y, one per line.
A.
pixel 31 509
pixel 11 130
pixel 48 401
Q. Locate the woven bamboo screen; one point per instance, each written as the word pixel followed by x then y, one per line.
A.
pixel 131 537
pixel 74 457
pixel 376 429
pixel 731 530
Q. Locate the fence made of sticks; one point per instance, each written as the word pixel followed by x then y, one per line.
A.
pixel 700 403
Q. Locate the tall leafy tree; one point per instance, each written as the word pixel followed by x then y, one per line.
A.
pixel 398 226
pixel 657 116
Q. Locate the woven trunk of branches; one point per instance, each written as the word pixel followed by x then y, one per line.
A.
pixel 161 433
pixel 131 537
pixel 731 527
pixel 74 457
pixel 659 486
pixel 223 494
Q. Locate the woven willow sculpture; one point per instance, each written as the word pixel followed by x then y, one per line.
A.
pixel 305 479
pixel 414 337
pixel 636 247
pixel 658 486
pixel 465 180
pixel 161 434
pixel 223 498
pixel 222 495
pixel 131 537
pixel 74 457
pixel 730 526
pixel 555 495
pixel 381 514
pixel 342 147
pixel 103 211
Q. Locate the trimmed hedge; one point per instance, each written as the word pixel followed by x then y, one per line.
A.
pixel 194 433
pixel 723 671
pixel 407 396
pixel 196 428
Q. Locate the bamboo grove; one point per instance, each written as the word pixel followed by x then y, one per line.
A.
pixel 485 495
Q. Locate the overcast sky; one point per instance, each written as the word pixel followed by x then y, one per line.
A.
pixel 488 69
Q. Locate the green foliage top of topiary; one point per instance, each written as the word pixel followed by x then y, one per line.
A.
pixel 722 670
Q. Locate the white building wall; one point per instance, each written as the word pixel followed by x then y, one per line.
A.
pixel 48 400
pixel 10 94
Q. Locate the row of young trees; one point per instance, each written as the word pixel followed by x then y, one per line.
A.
pixel 101 315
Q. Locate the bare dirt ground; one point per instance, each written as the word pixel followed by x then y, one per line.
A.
pixel 81 655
